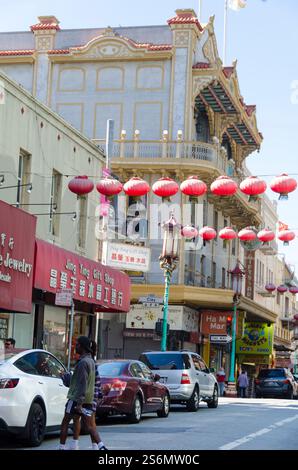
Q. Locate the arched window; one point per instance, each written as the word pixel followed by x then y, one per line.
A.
pixel 227 145
pixel 202 124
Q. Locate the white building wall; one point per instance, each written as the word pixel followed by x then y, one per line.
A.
pixel 134 94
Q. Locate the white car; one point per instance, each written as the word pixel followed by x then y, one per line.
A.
pixel 32 394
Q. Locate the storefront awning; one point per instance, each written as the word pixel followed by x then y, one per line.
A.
pixel 106 288
pixel 17 239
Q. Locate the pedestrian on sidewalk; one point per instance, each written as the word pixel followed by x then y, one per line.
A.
pixel 221 378
pixel 243 383
pixel 97 396
pixel 9 344
pixel 80 396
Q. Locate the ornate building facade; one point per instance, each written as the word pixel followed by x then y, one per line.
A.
pixel 177 112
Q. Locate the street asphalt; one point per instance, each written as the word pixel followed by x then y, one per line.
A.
pixel 240 424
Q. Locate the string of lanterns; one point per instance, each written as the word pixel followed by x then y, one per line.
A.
pixel 193 187
pixel 281 289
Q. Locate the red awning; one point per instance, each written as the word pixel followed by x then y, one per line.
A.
pixel 17 240
pixel 91 282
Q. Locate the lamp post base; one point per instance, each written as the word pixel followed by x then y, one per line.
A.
pixel 231 390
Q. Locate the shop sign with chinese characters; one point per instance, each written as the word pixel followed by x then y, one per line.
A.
pixel 250 274
pixel 89 280
pixel 128 257
pixel 17 242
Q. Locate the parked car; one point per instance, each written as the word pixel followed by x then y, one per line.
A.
pixel 186 375
pixel 129 388
pixel 32 394
pixel 277 382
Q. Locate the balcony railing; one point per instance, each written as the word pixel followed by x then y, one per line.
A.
pixel 164 149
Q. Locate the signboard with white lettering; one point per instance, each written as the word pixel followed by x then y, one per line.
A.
pixel 89 281
pixel 127 257
pixel 220 339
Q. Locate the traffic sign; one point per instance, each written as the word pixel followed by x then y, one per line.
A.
pixel 151 300
pixel 220 339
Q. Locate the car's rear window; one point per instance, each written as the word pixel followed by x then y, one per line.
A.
pixel 270 373
pixel 111 369
pixel 168 361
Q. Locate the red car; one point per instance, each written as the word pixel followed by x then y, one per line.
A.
pixel 131 389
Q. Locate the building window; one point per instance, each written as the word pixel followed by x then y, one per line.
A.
pixel 213 274
pixel 227 146
pixel 23 178
pixel 205 213
pixel 55 202
pixel 215 223
pixel 202 125
pixel 287 306
pixel 234 247
pixel 82 222
pixel 202 269
pixel 223 278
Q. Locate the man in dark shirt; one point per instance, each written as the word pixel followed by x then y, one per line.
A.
pixel 81 395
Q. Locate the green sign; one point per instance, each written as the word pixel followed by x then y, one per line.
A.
pixel 257 339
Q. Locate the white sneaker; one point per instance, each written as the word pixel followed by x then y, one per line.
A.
pixel 74 445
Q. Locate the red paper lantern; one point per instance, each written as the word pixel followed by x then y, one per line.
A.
pixel 193 187
pixel 188 231
pixel 109 186
pixel 253 187
pixel 223 186
pixel 227 233
pixel 80 185
pixel 293 290
pixel 286 236
pixel 247 235
pixel 136 187
pixel 283 185
pixel 270 287
pixel 207 233
pixel 266 235
pixel 282 289
pixel 165 187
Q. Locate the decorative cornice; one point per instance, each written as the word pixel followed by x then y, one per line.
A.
pixel 22 52
pixel 184 17
pixel 46 23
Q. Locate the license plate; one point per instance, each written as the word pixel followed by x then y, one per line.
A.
pixel 272 384
pixel 163 380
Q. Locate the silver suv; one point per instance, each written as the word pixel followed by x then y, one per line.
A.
pixel 186 375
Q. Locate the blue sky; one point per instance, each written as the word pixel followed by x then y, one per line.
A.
pixel 263 37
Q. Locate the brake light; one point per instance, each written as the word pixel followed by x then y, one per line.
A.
pixel 8 383
pixel 185 379
pixel 118 386
pixel 286 381
pixel 257 381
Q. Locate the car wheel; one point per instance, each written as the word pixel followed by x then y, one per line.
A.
pixel 36 425
pixel 136 414
pixel 164 411
pixel 258 395
pixel 194 402
pixel 214 402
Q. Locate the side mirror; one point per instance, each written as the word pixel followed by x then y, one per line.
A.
pixel 156 377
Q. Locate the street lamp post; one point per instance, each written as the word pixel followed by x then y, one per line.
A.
pixel 168 262
pixel 237 275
